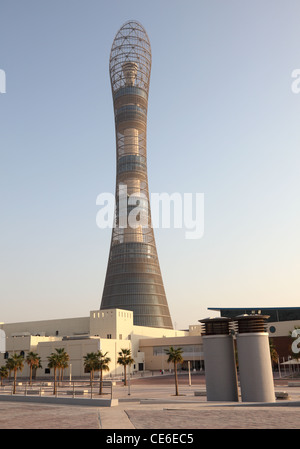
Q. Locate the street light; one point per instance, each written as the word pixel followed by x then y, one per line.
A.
pixel 129 382
pixel 189 367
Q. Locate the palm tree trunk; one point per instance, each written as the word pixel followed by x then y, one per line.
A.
pixel 125 376
pixel 54 391
pixel 15 380
pixel 30 377
pixel 176 379
pixel 101 378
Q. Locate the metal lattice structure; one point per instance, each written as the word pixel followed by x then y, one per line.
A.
pixel 133 279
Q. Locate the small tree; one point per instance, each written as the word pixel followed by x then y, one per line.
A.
pixel 91 363
pixel 64 359
pixel 33 361
pixel 175 357
pixel 16 363
pixel 9 366
pixel 55 363
pixel 273 353
pixel 3 374
pixel 125 360
pixel 103 362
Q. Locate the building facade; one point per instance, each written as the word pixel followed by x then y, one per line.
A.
pixel 133 279
pixel 108 330
pixel 280 324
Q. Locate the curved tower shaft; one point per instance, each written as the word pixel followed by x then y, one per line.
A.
pixel 133 279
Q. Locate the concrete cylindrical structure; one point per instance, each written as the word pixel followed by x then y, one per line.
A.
pixel 219 359
pixel 255 367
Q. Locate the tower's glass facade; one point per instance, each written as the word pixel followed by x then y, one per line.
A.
pixel 133 279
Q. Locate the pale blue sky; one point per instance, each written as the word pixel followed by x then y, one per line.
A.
pixel 222 121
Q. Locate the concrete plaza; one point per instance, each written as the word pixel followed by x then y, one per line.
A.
pixel 149 403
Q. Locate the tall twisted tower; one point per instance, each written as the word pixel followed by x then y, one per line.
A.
pixel 133 279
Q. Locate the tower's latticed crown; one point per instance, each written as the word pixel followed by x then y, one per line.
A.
pixel 133 279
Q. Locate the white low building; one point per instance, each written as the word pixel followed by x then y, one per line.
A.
pixel 109 330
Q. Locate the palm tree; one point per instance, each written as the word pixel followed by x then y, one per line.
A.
pixel 34 361
pixel 16 363
pixel 91 363
pixel 9 366
pixel 55 363
pixel 103 362
pixel 175 357
pixel 64 359
pixel 125 360
pixel 3 374
pixel 273 352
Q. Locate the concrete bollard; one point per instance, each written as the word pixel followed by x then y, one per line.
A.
pixel 255 367
pixel 219 359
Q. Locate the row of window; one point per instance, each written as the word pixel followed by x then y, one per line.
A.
pixel 116 268
pixel 6 354
pixel 139 309
pixel 131 90
pixel 138 159
pixel 125 209
pixel 102 314
pixel 132 162
pixel 153 321
pixel 134 248
pixel 130 112
pixel 133 288
pixel 122 149
pixel 145 237
pixel 187 349
pixel 134 278
pixel 133 256
pixel 123 299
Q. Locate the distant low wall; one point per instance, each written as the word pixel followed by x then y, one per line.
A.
pixel 61 400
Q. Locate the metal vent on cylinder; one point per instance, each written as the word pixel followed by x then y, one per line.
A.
pixel 216 326
pixel 251 323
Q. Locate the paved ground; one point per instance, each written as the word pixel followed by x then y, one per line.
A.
pixel 151 404
pixel 44 416
pixel 217 418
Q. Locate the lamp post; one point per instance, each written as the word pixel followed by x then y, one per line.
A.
pixel 189 367
pixel 129 381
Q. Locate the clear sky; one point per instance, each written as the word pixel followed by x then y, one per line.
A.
pixel 222 120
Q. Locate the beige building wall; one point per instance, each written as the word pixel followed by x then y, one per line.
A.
pixel 113 347
pixel 195 329
pixel 111 323
pixel 156 358
pixel 282 328
pixel 109 330
pixel 25 344
pixel 59 327
pixel 142 332
pixel 77 349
